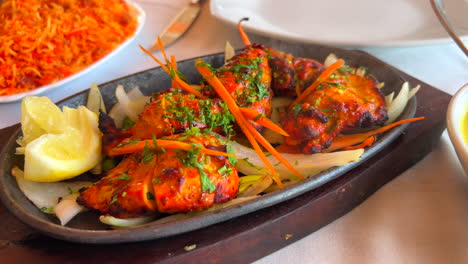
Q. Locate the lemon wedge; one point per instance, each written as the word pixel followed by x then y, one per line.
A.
pixel 39 116
pixel 60 145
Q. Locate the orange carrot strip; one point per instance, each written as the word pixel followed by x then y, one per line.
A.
pixel 245 128
pixel 161 143
pixel 298 90
pixel 252 115
pixel 174 65
pixel 155 59
pixel 179 81
pixel 369 141
pixel 248 130
pixel 244 36
pixel 163 51
pixel 273 151
pixel 349 140
pixel 322 77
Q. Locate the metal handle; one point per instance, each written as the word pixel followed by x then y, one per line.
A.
pixel 440 13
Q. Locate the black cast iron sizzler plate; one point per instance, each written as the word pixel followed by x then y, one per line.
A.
pixel 86 227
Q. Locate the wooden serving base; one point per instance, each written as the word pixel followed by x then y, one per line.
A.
pixel 249 237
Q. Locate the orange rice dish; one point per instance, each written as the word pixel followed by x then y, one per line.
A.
pixel 43 41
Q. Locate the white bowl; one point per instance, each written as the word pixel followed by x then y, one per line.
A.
pixel 456 114
pixel 140 14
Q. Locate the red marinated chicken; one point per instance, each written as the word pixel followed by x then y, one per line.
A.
pixel 247 77
pixel 170 113
pixel 292 74
pixel 165 181
pixel 345 100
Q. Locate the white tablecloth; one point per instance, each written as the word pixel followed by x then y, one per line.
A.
pixel 420 217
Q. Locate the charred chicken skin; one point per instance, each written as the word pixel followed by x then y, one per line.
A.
pixel 344 101
pixel 291 75
pixel 165 181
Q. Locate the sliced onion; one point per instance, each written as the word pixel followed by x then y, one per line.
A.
pixel 307 164
pixel 229 52
pixel 95 101
pixel 397 105
pixel 46 195
pixel 361 71
pixel 275 187
pixel 331 58
pixel 122 107
pixel 413 91
pixel 132 222
pixel 68 208
pixel 127 222
pixel 138 104
pixel 389 98
pixel 176 217
pixel 124 101
pixel 279 107
pixel 257 186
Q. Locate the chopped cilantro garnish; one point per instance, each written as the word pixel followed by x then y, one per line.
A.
pixel 129 142
pixel 123 176
pixel 108 164
pixel 258 117
pixel 207 184
pixel 149 196
pixel 47 209
pixel 114 199
pixel 156 180
pixel 147 154
pixel 296 109
pixel 230 150
pixel 127 123
pixel 332 128
pixel 251 164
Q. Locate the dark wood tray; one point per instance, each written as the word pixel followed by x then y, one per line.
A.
pixel 250 237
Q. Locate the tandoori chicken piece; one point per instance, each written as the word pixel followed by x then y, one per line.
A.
pixel 247 77
pixel 166 181
pixel 170 113
pixel 290 74
pixel 344 101
pixel 125 191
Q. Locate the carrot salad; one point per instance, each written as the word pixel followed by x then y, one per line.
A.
pixel 43 41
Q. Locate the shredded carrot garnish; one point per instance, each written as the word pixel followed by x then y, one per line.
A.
pixel 322 77
pixel 130 147
pixel 185 86
pixel 350 140
pixel 163 51
pixel 42 42
pixel 369 141
pixel 256 117
pixel 244 36
pixel 250 132
pixel 174 66
pixel 243 124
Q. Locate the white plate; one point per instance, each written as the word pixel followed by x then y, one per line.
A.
pixel 141 17
pixel 346 22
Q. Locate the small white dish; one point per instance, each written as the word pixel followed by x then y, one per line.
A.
pixel 457 116
pixel 354 23
pixel 141 17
